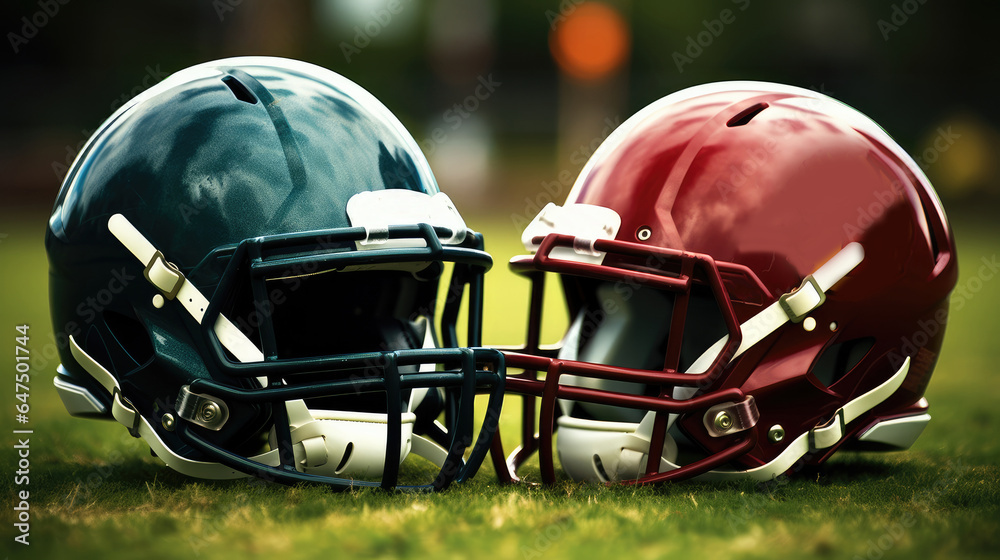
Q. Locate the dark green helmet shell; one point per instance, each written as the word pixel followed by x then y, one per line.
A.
pixel 243 162
pixel 260 146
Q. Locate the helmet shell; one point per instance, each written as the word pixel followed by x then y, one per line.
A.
pixel 227 151
pixel 778 179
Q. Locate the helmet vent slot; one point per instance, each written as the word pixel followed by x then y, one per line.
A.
pixel 931 236
pixel 239 90
pixel 746 115
pixel 347 457
pixel 599 467
pixel 839 359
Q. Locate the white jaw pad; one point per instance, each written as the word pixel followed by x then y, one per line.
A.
pixel 377 210
pixel 586 222
pixel 602 451
pixel 343 443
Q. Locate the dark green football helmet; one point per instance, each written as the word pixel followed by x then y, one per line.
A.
pixel 244 269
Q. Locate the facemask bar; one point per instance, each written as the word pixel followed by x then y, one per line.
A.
pixel 665 269
pixel 480 370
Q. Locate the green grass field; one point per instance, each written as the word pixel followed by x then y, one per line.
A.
pixel 96 493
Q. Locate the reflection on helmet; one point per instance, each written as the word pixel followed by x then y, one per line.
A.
pixel 745 266
pixel 244 269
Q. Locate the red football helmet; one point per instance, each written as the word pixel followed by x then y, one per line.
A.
pixel 756 275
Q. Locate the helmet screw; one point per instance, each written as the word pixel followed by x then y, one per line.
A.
pixel 168 422
pixel 643 233
pixel 209 412
pixel 723 421
pixel 776 433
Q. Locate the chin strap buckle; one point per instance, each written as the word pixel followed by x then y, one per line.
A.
pixel 164 275
pixel 729 418
pixel 125 405
pixel 203 410
pixel 829 433
pixel 802 300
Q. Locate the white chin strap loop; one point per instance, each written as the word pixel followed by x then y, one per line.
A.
pixel 174 286
pixel 600 450
pixel 342 444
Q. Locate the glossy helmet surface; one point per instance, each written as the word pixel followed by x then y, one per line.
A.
pixel 756 274
pixel 244 269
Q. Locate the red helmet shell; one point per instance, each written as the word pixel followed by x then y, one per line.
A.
pixel 778 179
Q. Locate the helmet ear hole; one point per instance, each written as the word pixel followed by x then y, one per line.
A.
pixel 839 359
pixel 131 336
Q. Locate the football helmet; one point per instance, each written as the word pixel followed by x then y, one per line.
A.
pixel 244 270
pixel 756 276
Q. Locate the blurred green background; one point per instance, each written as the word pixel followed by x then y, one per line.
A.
pixel 926 70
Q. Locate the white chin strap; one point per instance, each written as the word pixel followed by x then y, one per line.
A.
pixel 601 451
pixel 333 443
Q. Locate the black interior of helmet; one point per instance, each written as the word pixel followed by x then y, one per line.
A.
pixel 334 313
pixel 131 336
pixel 840 358
pixel 703 325
pixel 650 312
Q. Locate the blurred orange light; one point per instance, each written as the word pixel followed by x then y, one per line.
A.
pixel 591 42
